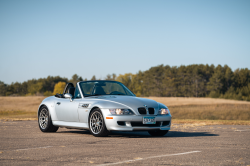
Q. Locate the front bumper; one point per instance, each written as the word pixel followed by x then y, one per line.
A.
pixel 134 122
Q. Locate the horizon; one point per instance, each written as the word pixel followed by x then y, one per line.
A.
pixel 103 78
pixel 62 38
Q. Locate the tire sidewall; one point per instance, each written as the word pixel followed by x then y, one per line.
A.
pixel 49 119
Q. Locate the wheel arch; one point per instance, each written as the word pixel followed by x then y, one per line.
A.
pixel 39 108
pixel 44 105
pixel 92 109
pixel 49 125
pixel 104 131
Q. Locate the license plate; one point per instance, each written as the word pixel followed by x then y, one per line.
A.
pixel 148 120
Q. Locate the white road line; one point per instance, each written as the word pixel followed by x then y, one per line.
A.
pixel 34 148
pixel 149 158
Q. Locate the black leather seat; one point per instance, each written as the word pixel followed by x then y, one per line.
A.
pixel 99 91
pixel 71 91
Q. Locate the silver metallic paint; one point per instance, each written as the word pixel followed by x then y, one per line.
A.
pixel 70 113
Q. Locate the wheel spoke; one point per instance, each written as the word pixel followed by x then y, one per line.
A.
pixel 43 118
pixel 96 122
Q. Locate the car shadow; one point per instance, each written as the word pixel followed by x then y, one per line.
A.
pixel 190 134
pixel 144 134
pixel 169 134
pixel 76 131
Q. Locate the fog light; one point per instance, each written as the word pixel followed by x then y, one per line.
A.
pixel 128 124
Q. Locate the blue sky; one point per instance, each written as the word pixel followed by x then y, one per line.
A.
pixel 41 38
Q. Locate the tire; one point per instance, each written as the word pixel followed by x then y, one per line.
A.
pixel 97 125
pixel 44 120
pixel 157 133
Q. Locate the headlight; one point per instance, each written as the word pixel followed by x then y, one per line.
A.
pixel 163 111
pixel 121 112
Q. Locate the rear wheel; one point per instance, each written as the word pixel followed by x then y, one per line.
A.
pixel 97 124
pixel 158 133
pixel 44 121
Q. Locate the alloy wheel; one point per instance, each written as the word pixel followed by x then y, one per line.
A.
pixel 96 122
pixel 43 118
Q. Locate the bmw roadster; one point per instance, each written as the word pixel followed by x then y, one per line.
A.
pixel 101 107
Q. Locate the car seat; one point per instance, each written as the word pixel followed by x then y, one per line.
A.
pixel 99 91
pixel 71 91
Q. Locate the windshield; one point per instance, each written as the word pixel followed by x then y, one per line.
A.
pixel 95 88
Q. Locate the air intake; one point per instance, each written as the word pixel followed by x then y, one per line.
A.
pixel 142 110
pixel 151 110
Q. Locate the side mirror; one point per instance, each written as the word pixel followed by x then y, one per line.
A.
pixel 68 96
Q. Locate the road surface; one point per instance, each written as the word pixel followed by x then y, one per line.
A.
pixel 22 143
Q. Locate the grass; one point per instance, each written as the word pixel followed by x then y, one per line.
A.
pixel 183 110
pixel 212 112
pixel 207 110
pixel 183 101
pixel 19 108
pixel 209 122
pixel 18 115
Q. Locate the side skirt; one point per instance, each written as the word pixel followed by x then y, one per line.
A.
pixel 73 125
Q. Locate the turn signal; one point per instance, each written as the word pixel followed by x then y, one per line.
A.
pixel 109 117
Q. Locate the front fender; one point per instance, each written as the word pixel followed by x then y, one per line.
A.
pixel 104 106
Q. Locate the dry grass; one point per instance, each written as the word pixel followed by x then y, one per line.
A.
pixel 196 122
pixel 178 101
pixel 19 108
pixel 20 103
pixel 183 110
pixel 212 111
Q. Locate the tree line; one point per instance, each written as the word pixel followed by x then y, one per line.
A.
pixel 162 81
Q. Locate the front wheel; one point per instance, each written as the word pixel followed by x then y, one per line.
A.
pixel 97 124
pixel 44 121
pixel 158 133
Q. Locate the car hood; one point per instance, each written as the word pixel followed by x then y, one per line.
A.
pixel 131 102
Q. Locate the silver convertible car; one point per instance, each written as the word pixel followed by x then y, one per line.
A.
pixel 101 107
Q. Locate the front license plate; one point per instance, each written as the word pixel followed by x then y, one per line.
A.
pixel 148 120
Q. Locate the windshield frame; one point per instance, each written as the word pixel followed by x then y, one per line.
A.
pixel 122 85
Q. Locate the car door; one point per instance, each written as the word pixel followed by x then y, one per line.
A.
pixel 66 110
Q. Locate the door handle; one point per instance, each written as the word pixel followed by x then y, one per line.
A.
pixel 58 103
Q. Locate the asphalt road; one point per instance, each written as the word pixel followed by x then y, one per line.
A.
pixel 22 143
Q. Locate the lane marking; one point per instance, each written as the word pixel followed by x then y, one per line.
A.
pixel 34 148
pixel 150 158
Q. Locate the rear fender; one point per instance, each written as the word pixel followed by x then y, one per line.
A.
pixel 50 104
